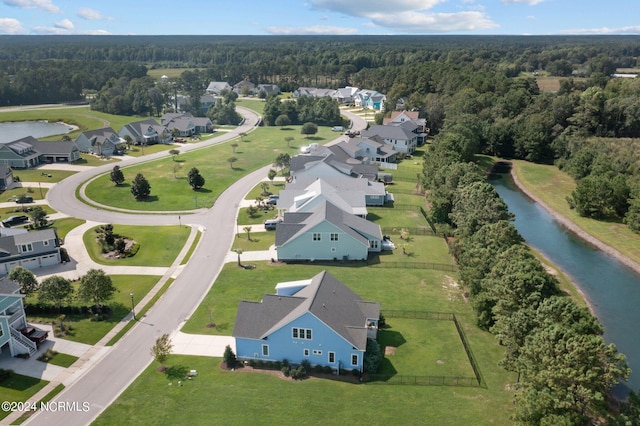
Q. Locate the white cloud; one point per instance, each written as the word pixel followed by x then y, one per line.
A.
pixel 311 30
pixel 58 31
pixel 364 8
pixel 634 29
pixel 529 2
pixel 10 26
pixel 92 15
pixel 411 16
pixel 65 24
pixel 33 4
pixel 420 22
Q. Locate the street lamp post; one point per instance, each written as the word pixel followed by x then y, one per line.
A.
pixel 132 307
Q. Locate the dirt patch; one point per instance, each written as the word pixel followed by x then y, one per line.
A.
pixel 390 350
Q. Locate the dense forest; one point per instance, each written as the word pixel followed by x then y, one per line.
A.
pixel 478 95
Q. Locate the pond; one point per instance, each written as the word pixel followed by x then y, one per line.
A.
pixel 611 288
pixel 11 131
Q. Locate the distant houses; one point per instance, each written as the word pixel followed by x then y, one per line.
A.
pixel 29 152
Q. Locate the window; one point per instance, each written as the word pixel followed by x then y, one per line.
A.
pixel 332 357
pixel 265 350
pixel 317 352
pixel 316 236
pixel 45 242
pixel 374 244
pixel 26 247
pixel 301 333
pixel 306 352
pixel 354 359
pixel 334 237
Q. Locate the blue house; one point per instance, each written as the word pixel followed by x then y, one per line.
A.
pixel 13 322
pixel 319 320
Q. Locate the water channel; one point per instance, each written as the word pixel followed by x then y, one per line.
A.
pixel 11 131
pixel 611 288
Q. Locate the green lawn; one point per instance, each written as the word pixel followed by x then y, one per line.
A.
pixel 192 248
pixel 19 210
pixel 19 388
pixel 64 225
pixel 257 219
pixel 263 399
pixel 60 359
pixel 390 217
pixel 168 179
pixel 37 175
pixel 33 191
pixel 84 330
pixel 93 161
pixel 159 246
pixel 419 248
pixel 259 240
pixel 274 188
pixel 553 186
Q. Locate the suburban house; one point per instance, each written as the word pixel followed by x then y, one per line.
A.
pixel 244 87
pixel 103 141
pixel 146 132
pixel 312 91
pixel 20 154
pixel 331 161
pixel 31 250
pixel 268 89
pixel 375 193
pixel 319 320
pixel 6 176
pixel 186 123
pixel 400 136
pixel 370 150
pixel 13 322
pixel 369 99
pixel 57 151
pixel 345 95
pixel 317 192
pixel 399 117
pixel 217 87
pixel 206 102
pixel 326 232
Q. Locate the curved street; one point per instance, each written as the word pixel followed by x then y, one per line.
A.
pixel 111 371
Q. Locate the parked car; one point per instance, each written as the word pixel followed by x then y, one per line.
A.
pixel 270 224
pixel 337 128
pixel 387 244
pixel 271 201
pixel 22 199
pixel 14 220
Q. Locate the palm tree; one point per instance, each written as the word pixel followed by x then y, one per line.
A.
pixel 247 229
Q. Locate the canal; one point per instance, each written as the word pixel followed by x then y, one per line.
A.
pixel 611 288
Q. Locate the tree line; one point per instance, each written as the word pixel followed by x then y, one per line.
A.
pixel 565 371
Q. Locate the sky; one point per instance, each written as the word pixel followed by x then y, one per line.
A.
pixel 319 17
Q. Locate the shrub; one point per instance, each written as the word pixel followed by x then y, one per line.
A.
pixel 372 357
pixel 327 370
pixel 306 364
pixel 229 357
pixel 355 372
pixel 134 249
pixel 299 372
pixel 277 365
pixel 286 370
pixel 252 363
pixel 285 362
pixel 260 364
pixel 318 368
pixel 269 365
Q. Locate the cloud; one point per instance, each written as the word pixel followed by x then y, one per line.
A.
pixel 529 2
pixel 33 4
pixel 65 24
pixel 311 30
pixel 10 26
pixel 410 16
pixel 634 29
pixel 92 15
pixel 363 8
pixel 55 30
pixel 420 22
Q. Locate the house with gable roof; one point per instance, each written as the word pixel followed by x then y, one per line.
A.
pixel 13 322
pixel 21 153
pixel 6 176
pixel 104 141
pixel 268 89
pixel 244 86
pixel 375 193
pixel 401 117
pixel 345 95
pixel 326 232
pixel 146 132
pixel 31 250
pixel 331 161
pixel 217 87
pixel 369 99
pixel 400 136
pixel 318 191
pixel 319 320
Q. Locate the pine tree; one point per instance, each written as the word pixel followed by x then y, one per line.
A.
pixel 140 187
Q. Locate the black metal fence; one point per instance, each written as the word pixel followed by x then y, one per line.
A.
pixel 415 265
pixel 425 315
pixel 422 380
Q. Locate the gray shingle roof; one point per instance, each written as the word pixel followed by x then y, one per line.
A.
pixel 7 286
pixel 325 297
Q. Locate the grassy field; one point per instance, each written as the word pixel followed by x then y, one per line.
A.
pixel 36 175
pixel 159 246
pixel 168 178
pixel 259 240
pixel 553 186
pixel 19 388
pixel 56 358
pixel 64 225
pixel 84 330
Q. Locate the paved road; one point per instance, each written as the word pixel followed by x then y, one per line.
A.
pixel 112 374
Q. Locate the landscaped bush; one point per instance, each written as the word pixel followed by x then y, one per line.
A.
pixel 277 365
pixel 6 374
pixel 252 363
pixel 327 370
pixel 355 372
pixel 285 363
pixel 306 364
pixel 269 365
pixel 260 364
pixel 286 370
pixel 318 369
pixel 229 357
pixel 299 372
pixel 372 357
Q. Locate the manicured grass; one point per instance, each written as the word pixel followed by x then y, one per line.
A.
pixel 274 188
pixel 192 248
pixel 423 348
pixel 257 219
pixel 256 105
pixel 140 313
pixel 553 186
pixel 19 388
pixel 169 192
pixel 419 248
pixel 57 358
pixel 94 161
pixel 48 397
pixel 33 191
pixel 64 225
pixel 159 246
pixel 259 241
pixel 84 330
pixel 18 211
pixel 36 175
pixel 139 151
pixel 390 217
